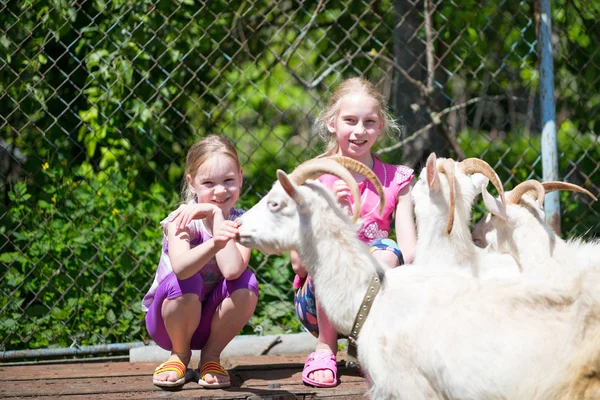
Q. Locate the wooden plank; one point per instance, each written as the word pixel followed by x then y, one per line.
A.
pixel 279 378
pixel 258 395
pixel 269 377
pixel 123 388
pixel 70 370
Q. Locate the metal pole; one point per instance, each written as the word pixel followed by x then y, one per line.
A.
pixel 548 115
pixel 68 351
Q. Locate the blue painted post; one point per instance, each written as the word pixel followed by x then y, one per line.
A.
pixel 548 115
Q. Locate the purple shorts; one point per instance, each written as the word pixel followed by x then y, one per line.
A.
pixel 171 288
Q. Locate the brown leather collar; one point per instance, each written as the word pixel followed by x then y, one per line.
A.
pixel 363 313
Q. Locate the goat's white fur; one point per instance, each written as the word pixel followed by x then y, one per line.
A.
pixel 433 333
pixel 456 249
pixel 521 231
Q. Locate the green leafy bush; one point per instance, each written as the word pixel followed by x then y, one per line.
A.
pixel 85 253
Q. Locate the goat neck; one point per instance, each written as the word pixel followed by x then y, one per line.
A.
pixel 337 261
pixel 305 217
pixel 443 197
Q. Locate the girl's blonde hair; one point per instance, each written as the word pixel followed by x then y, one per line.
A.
pixel 330 112
pixel 201 151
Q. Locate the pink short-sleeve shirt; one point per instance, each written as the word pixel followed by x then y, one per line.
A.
pixel 393 179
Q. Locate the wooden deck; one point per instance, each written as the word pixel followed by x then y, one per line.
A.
pixel 261 377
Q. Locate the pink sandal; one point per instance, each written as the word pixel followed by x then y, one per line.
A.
pixel 319 361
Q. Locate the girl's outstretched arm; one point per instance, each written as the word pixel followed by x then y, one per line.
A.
pixel 406 231
pixel 232 258
pixel 185 260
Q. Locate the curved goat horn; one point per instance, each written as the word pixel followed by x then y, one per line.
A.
pixel 315 167
pixel 360 168
pixel 553 186
pixel 447 167
pixel 531 185
pixel 473 165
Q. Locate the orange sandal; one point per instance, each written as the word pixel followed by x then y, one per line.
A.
pixel 214 368
pixel 172 365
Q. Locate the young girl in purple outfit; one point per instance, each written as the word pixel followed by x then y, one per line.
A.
pixel 202 294
pixel 354 118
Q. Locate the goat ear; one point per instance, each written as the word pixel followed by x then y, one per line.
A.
pixel 433 179
pixel 494 205
pixel 290 187
pixel 480 181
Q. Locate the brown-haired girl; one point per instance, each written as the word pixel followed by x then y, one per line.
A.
pixel 202 294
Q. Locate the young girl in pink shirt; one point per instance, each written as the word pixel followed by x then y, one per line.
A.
pixel 355 116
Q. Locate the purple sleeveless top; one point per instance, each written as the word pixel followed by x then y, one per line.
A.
pixel 210 273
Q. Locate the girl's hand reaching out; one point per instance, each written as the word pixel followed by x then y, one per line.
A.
pixel 343 194
pixel 188 212
pixel 224 232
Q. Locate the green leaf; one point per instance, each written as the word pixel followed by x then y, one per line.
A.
pixel 110 316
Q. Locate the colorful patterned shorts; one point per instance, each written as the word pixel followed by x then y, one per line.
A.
pixel 304 300
pixel 386 244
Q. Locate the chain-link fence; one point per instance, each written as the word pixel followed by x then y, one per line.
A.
pixel 100 100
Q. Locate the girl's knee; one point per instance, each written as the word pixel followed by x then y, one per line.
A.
pixel 176 288
pixel 387 252
pixel 247 280
pixel 387 257
pixel 185 302
pixel 250 279
pixel 185 298
pixel 245 296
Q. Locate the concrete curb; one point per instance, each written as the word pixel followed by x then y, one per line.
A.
pixel 240 346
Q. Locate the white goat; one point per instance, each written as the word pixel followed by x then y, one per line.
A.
pixel 432 333
pixel 518 228
pixel 443 197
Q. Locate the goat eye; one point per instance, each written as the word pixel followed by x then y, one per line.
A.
pixel 273 205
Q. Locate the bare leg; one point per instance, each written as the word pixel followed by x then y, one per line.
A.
pixel 326 342
pixel 231 316
pixel 181 316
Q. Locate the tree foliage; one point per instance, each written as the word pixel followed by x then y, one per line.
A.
pixel 101 100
